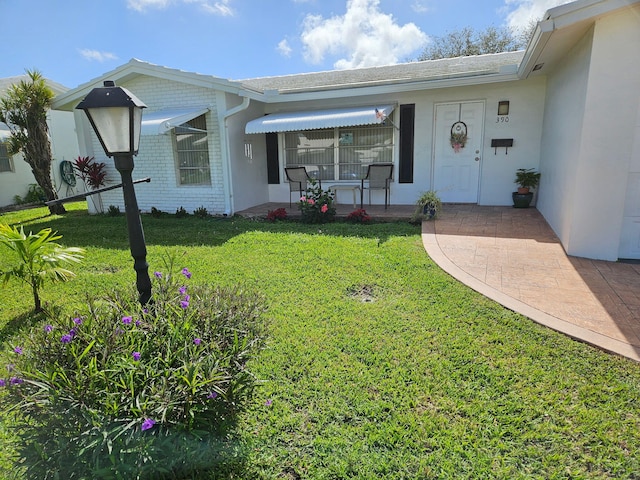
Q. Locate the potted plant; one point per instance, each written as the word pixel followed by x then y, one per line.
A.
pixel 428 206
pixel 526 178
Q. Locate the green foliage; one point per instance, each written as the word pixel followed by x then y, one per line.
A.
pixel 379 364
pixel 24 108
pixel 428 206
pixel 34 195
pixel 527 177
pixel 113 211
pixel 181 213
pixel 201 212
pixel 468 41
pixel 156 213
pixel 121 392
pixel 317 205
pixel 40 258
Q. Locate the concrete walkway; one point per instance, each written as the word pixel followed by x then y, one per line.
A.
pixel 513 257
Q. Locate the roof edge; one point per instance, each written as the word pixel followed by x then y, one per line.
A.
pixel 134 68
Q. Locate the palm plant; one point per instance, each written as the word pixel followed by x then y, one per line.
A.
pixel 40 258
pixel 24 109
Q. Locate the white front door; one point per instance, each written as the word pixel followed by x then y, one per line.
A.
pixel 456 171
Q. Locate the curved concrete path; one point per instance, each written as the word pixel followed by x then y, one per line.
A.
pixel 513 257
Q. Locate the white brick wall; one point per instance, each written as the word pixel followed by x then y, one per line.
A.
pixel 155 158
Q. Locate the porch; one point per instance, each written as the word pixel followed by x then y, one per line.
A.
pixel 376 212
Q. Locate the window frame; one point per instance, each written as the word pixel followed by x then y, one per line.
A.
pixel 7 157
pixel 343 140
pixel 176 134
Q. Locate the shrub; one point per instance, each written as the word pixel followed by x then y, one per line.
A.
pixel 91 172
pixel 358 216
pixel 181 213
pixel 39 258
pixel 113 211
pixel 201 212
pixel 317 205
pixel 277 214
pixel 121 392
pixel 155 213
pixel 35 194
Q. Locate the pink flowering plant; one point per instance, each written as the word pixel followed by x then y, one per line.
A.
pixel 121 391
pixel 316 205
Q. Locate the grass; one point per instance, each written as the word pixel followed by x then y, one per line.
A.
pixel 379 364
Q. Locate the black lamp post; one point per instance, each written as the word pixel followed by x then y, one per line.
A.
pixel 116 116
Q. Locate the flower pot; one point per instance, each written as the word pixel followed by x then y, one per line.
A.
pixel 429 211
pixel 523 190
pixel 522 200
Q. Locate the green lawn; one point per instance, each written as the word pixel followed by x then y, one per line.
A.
pixel 379 365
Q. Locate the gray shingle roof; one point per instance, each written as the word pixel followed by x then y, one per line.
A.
pixel 400 73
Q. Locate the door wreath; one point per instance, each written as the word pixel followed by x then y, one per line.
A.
pixel 458 135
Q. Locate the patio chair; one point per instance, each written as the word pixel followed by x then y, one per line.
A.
pixel 298 180
pixel 379 176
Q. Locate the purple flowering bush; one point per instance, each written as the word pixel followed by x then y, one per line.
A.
pixel 119 391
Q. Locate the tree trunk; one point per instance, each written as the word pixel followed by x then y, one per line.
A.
pixel 36 299
pixel 38 155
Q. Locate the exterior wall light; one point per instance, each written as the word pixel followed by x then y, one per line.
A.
pixel 503 107
pixel 116 116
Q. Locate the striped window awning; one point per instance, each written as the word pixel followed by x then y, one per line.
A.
pixel 163 121
pixel 318 119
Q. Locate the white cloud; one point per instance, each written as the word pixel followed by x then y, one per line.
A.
pixel 218 8
pixel 284 48
pixel 141 5
pixel 221 7
pixel 420 6
pixel 95 55
pixel 523 12
pixel 364 35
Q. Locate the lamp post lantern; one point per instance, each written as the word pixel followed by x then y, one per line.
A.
pixel 116 116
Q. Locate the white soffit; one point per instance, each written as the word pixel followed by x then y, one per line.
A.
pixel 162 121
pixel 317 119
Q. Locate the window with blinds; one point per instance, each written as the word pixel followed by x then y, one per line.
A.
pixel 5 159
pixel 192 152
pixel 339 153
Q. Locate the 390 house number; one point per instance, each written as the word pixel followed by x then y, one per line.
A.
pixel 502 119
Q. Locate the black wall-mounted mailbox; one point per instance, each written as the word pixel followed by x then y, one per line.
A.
pixel 502 142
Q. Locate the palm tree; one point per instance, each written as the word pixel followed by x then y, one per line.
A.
pixel 24 109
pixel 40 258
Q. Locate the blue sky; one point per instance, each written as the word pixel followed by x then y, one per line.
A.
pixel 74 41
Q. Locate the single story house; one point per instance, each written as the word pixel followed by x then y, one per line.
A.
pixel 15 174
pixel 568 106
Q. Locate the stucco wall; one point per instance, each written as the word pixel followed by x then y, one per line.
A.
pixel 609 128
pixel 15 182
pixel 248 172
pixel 64 146
pixel 562 138
pixel 588 137
pixel 497 170
pixel 155 158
